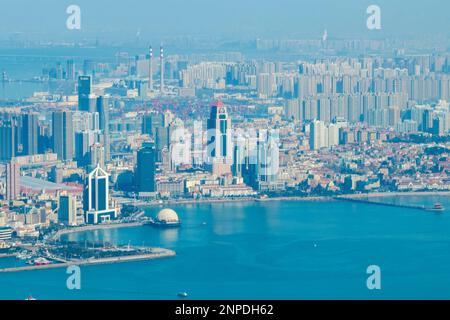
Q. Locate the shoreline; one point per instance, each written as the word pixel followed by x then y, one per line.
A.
pixel 294 198
pixel 161 253
pixel 246 200
pixel 234 200
pixel 95 228
pixel 393 194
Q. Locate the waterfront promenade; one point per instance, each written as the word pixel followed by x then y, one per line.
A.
pixel 157 253
pixel 58 234
pixel 366 198
pixel 358 196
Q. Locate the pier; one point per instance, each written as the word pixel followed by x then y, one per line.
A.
pixel 386 204
pixel 157 253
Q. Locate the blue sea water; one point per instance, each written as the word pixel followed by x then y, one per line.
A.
pixel 270 250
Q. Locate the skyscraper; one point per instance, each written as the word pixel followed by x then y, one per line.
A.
pixel 8 139
pixel 83 142
pixel 145 168
pixel 268 157
pixel 96 198
pixel 318 135
pixel 220 150
pixel 63 135
pixel 70 71
pixel 67 211
pixel 12 180
pixel 103 111
pixel 30 132
pixel 97 153
pixel 151 122
pixel 86 100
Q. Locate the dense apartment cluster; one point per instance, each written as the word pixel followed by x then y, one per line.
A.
pixel 217 129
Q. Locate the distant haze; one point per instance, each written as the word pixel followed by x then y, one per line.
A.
pixel 120 20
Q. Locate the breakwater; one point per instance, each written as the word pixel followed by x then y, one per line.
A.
pixel 157 253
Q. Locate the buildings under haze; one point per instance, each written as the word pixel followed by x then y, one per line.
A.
pixel 12 180
pixel 30 132
pixel 8 138
pixel 63 134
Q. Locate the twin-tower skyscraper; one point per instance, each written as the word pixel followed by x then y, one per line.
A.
pixel 161 63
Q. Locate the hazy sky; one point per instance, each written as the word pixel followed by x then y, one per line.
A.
pixel 233 18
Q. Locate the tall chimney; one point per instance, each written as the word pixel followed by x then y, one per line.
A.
pixel 150 76
pixel 162 69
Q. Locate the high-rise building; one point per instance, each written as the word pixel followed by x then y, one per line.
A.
pixel 12 180
pixel 318 135
pixel 70 71
pixel 96 198
pixel 145 169
pixel 97 154
pixel 67 211
pixel 103 111
pixel 8 139
pixel 152 121
pixel 83 142
pixel 268 156
pixel 87 101
pixel 219 149
pixel 30 132
pixel 84 85
pixel 63 135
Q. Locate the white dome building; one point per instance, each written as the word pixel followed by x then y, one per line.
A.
pixel 167 218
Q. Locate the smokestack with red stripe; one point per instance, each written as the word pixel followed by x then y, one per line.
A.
pixel 162 69
pixel 150 75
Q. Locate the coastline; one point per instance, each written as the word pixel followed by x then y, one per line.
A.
pixel 159 254
pixel 294 198
pixel 247 200
pixel 393 194
pixel 232 200
pixel 95 227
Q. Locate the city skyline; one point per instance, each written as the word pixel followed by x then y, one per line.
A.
pixel 254 149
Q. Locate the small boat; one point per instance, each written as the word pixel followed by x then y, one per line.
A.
pixel 437 207
pixel 183 294
pixel 39 262
pixel 30 298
